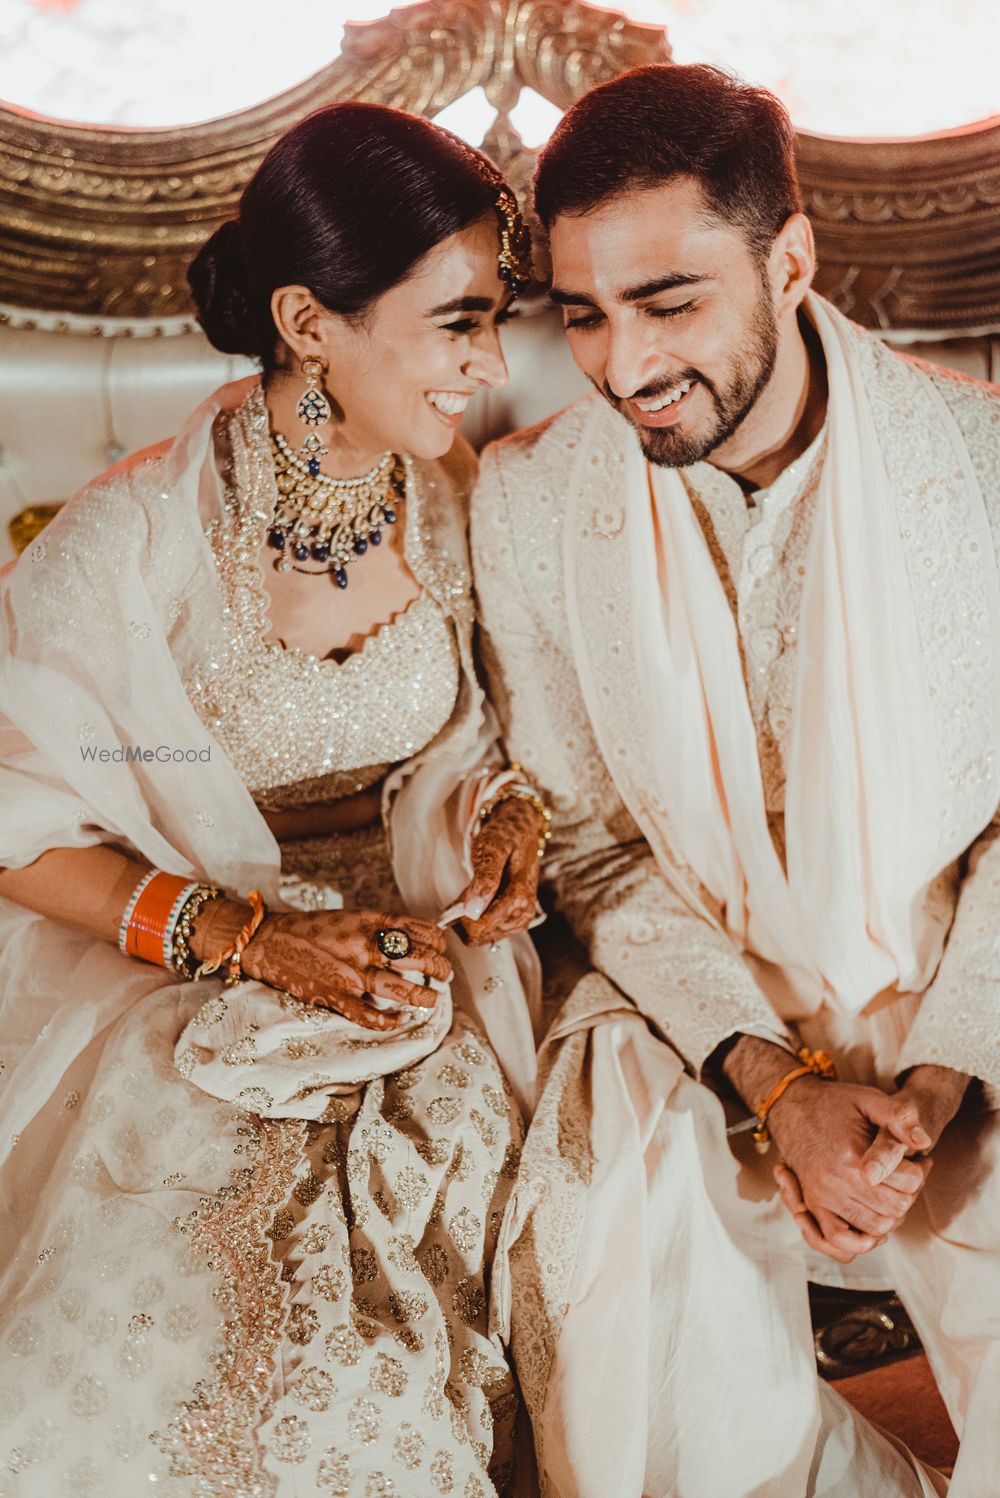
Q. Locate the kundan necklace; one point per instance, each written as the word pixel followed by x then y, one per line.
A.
pixel 326 520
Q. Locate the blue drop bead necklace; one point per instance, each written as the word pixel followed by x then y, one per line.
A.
pixel 327 521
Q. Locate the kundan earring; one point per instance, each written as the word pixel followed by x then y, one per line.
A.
pixel 313 410
pixel 322 519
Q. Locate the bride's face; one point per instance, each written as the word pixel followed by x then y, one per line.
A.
pixel 403 375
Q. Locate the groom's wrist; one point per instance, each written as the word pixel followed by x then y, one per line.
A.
pixel 937 1092
pixel 754 1066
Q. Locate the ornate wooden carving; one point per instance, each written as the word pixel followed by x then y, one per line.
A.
pixel 101 224
pixel 908 231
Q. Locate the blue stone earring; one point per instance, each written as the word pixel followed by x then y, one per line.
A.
pixel 313 410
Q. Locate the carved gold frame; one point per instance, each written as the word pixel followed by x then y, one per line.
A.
pixel 97 226
pixel 908 231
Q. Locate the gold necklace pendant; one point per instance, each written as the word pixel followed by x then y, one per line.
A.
pixel 327 520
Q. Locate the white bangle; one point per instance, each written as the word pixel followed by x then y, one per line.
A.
pixel 133 897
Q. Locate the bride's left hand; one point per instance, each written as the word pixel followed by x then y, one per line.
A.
pixel 505 862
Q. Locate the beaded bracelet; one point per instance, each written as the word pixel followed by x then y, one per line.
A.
pixel 515 791
pixel 182 959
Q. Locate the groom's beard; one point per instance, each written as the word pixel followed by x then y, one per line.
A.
pixel 750 370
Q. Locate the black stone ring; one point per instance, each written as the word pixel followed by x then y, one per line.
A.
pixel 393 943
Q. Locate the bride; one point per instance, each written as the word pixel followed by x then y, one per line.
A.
pixel 259 1114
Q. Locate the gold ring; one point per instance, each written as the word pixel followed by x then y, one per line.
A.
pixel 393 943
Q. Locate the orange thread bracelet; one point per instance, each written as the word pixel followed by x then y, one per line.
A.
pixel 814 1063
pixel 231 959
pixel 235 973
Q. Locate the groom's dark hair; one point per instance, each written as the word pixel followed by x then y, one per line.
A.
pixel 659 123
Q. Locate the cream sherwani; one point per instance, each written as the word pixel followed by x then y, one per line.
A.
pixel 660 1322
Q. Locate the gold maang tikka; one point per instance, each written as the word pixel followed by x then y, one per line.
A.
pixel 514 265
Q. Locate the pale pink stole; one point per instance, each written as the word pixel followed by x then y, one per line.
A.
pixel 865 791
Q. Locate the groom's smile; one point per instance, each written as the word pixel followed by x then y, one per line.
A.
pixel 669 314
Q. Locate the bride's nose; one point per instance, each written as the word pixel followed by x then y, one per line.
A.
pixel 486 363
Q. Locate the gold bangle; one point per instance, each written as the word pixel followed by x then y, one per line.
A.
pixel 514 792
pixel 182 959
pixel 814 1063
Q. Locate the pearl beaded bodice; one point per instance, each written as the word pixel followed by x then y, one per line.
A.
pixel 301 730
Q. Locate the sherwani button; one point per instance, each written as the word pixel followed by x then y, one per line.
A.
pixel 766 645
pixel 763 561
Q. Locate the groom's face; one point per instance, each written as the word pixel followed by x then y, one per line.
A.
pixel 669 313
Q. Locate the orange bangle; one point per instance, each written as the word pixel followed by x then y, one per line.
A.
pixel 814 1063
pixel 150 917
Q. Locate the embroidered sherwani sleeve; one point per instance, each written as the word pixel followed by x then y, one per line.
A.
pixel 958 1022
pixel 685 976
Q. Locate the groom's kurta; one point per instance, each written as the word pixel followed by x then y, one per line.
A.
pixel 560 618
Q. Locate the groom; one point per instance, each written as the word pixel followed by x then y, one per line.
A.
pixel 741 613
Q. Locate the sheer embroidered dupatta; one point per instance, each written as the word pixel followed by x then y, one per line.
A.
pixel 92 646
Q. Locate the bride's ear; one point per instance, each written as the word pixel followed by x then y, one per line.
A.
pixel 303 324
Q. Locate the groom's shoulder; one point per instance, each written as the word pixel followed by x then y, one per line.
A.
pixel 894 378
pixel 974 403
pixel 543 453
pixel 975 409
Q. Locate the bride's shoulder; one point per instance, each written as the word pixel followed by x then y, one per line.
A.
pixel 114 521
pixel 158 486
pixel 143 462
pixel 118 524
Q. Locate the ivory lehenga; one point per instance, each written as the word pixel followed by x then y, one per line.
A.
pixel 248 1242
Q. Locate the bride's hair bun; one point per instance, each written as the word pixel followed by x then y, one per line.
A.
pixel 218 280
pixel 346 204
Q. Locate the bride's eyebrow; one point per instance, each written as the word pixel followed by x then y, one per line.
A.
pixel 463 304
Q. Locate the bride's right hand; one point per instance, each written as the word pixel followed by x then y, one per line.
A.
pixel 332 958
